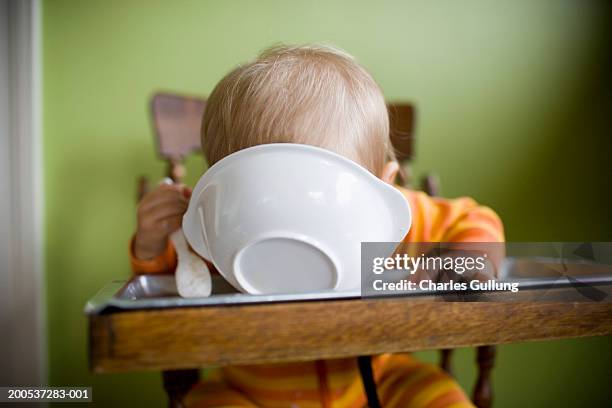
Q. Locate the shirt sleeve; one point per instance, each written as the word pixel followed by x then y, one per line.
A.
pixel 163 263
pixel 475 224
pixel 458 220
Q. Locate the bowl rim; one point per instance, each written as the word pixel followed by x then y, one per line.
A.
pixel 227 160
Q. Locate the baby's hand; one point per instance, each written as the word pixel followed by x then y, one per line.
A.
pixel 159 214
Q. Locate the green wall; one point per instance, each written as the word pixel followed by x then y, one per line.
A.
pixel 514 109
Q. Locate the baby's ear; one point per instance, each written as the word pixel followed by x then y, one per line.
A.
pixel 389 172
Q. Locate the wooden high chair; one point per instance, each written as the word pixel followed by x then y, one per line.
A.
pixel 177 341
pixel 177 124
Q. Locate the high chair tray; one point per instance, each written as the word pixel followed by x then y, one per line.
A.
pixel 159 291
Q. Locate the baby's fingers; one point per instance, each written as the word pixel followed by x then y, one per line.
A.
pixel 163 194
pixel 169 224
pixel 166 209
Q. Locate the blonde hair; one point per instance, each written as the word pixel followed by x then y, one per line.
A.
pixel 316 95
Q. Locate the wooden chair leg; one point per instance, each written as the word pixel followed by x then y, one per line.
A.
pixel 445 360
pixel 177 383
pixel 483 394
pixel 431 185
pixel 176 171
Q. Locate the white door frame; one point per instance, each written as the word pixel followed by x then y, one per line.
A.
pixel 22 291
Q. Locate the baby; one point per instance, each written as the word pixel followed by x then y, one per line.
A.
pixel 320 96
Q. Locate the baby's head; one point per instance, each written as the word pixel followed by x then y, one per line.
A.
pixel 315 95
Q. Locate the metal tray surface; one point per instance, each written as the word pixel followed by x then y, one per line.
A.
pixel 159 291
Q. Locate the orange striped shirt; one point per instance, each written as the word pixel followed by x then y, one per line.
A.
pixel 337 382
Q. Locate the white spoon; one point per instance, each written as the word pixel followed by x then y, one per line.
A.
pixel 192 274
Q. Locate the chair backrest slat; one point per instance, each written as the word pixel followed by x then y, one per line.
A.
pixel 401 121
pixel 177 120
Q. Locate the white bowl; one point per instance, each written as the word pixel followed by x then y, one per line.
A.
pixel 284 218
